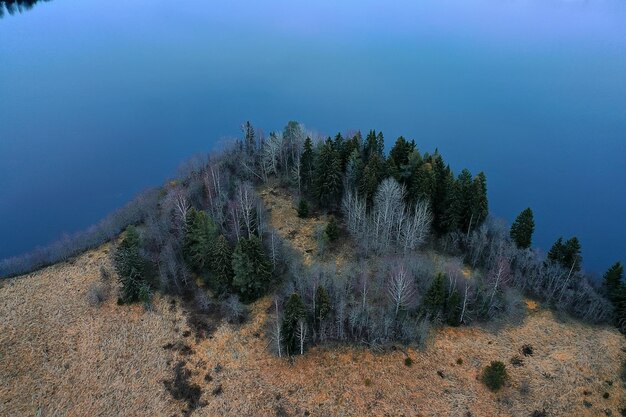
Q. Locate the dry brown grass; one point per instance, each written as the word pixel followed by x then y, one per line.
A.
pixel 61 356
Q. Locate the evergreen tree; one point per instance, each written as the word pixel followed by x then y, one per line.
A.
pixel 465 195
pixel 443 185
pixel 129 265
pixel 322 303
pixel 303 209
pixel 294 312
pixel 350 146
pixel 450 216
pixel 479 204
pixel 306 164
pixel 453 308
pixel 422 183
pixel 354 169
pixel 523 228
pixel 374 145
pixel 251 269
pixel 332 230
pixel 613 281
pixel 200 235
pixel 249 138
pixel 373 174
pixel 399 158
pixel 435 297
pixel 221 266
pixel 566 254
pixel 328 175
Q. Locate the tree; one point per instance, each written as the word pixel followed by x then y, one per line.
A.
pixel 130 266
pixel 322 304
pixel 306 164
pixel 566 254
pixel 479 204
pixel 401 289
pixel 494 375
pixel 221 266
pixel 613 281
pixel 373 174
pixel 303 209
pixel 450 216
pixel 251 269
pixel 465 195
pixel 354 169
pixel 399 157
pixel 293 314
pixel 435 297
pixel 328 175
pixel 332 230
pixel 522 229
pixel 200 235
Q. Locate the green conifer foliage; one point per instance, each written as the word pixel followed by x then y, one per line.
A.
pixel 221 266
pixel 129 265
pixel 328 175
pixel 332 230
pixel 522 229
pixel 251 269
pixel 294 312
pixel 200 235
pixel 435 297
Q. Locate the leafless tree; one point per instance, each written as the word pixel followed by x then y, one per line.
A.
pixel 247 205
pixel 301 334
pixel 401 288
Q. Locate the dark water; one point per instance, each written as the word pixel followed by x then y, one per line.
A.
pixel 101 99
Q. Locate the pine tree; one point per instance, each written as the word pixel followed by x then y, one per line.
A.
pixel 442 186
pixel 435 297
pixel 373 174
pixel 221 266
pixel 303 209
pixel 613 281
pixel 129 265
pixel 332 230
pixel 522 229
pixel 328 175
pixel 479 201
pixel 306 162
pixel 422 183
pixel 294 312
pixel 249 138
pixel 453 308
pixel 200 235
pixel 374 145
pixel 354 169
pixel 450 217
pixel 251 269
pixel 322 303
pixel 465 195
pixel 566 254
pixel 399 158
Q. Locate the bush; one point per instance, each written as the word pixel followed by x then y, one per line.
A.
pixel 332 230
pixel 97 294
pixel 303 209
pixel 408 361
pixel 494 375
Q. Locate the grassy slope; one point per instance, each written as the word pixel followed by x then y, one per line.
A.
pixel 63 357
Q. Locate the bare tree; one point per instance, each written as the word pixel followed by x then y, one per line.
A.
pixel 301 334
pixel 247 204
pixel 401 288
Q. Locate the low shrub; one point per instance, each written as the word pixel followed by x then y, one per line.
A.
pixel 408 361
pixel 494 375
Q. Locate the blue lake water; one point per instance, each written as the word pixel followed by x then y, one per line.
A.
pixel 100 99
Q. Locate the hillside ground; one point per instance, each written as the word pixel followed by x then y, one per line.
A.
pixel 61 355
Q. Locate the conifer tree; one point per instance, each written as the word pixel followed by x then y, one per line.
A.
pixel 479 202
pixel 328 175
pixel 465 195
pixel 453 308
pixel 200 235
pixel 613 281
pixel 332 230
pixel 522 229
pixel 294 312
pixel 566 254
pixel 373 174
pixel 435 297
pixel 354 169
pixel 422 183
pixel 221 266
pixel 303 209
pixel 129 265
pixel 251 269
pixel 399 158
pixel 450 216
pixel 306 162
pixel 322 303
pixel 374 145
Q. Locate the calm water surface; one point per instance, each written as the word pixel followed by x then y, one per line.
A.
pixel 101 99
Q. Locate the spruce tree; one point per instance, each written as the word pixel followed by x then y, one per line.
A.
pixel 322 303
pixel 332 230
pixel 354 169
pixel 450 216
pixel 566 254
pixel 294 312
pixel 129 265
pixel 422 184
pixel 200 235
pixel 306 164
pixel 465 195
pixel 303 209
pixel 373 174
pixel 453 308
pixel 435 297
pixel 399 158
pixel 556 252
pixel 328 176
pixel 479 201
pixel 221 266
pixel 613 281
pixel 251 269
pixel 374 145
pixel 522 229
